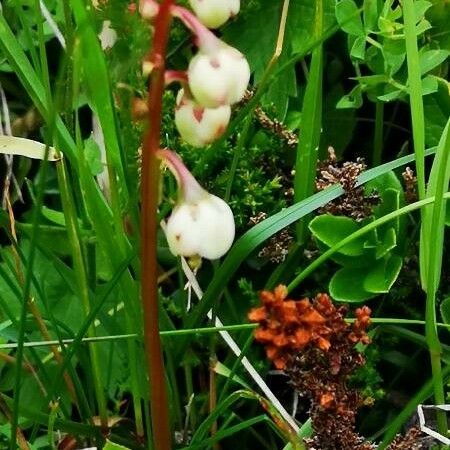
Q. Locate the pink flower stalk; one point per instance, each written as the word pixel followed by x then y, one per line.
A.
pixel 201 224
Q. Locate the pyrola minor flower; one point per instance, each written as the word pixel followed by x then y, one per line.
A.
pixel 214 13
pixel 218 78
pixel 201 223
pixel 219 74
pixel 197 125
pixel 148 9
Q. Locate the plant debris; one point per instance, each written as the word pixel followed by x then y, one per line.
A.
pixel 354 203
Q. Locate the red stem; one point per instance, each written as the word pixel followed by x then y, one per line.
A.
pixel 149 201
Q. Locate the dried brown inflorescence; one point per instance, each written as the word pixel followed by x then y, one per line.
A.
pixel 410 181
pixel 277 247
pixel 287 326
pixel 413 440
pixel 273 125
pixel 354 203
pixel 314 344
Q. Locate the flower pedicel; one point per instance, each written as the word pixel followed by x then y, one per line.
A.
pixel 201 224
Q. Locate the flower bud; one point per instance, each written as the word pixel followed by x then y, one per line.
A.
pixel 201 224
pixel 148 9
pixel 107 35
pixel 197 125
pixel 218 78
pixel 214 13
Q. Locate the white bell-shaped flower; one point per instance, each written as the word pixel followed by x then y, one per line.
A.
pixel 214 13
pixel 197 125
pixel 218 78
pixel 201 224
pixel 148 9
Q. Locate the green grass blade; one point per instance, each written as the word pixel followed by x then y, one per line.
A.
pixel 311 127
pixel 415 91
pixel 432 235
pixel 33 85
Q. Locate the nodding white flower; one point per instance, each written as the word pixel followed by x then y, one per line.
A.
pixel 201 224
pixel 218 78
pixel 107 35
pixel 148 9
pixel 219 74
pixel 197 125
pixel 214 13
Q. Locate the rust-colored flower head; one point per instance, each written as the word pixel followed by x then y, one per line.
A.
pixel 287 326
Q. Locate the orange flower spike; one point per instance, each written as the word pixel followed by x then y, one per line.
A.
pixel 265 335
pixel 281 292
pixel 289 313
pixel 257 314
pixel 267 298
pixel 312 317
pixel 302 337
pixel 281 340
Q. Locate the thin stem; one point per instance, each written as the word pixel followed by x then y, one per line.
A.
pixel 149 222
pixel 378 138
pixel 237 156
pixel 415 92
pixel 82 281
pixel 204 330
pixel 311 127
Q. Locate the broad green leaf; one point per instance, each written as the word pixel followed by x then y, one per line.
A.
pixel 382 275
pixel 93 156
pixel 352 99
pixel 111 446
pixel 347 285
pixel 372 80
pixel 429 59
pixel 421 7
pixel 429 85
pixel 393 94
pixel 346 9
pixel 370 15
pixel 390 190
pixel 394 54
pixel 445 310
pixel 388 241
pixel 332 229
pixel 436 111
pixel 357 285
pixel 439 17
pixel 358 48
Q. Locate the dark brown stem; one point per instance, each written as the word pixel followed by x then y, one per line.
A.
pixel 149 201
